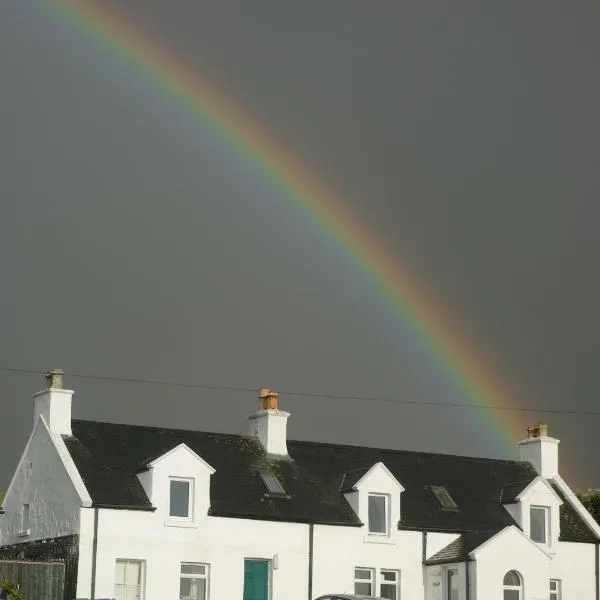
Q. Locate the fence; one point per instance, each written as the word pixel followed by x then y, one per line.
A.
pixel 37 580
pixel 42 560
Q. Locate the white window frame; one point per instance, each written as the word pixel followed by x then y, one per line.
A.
pixel 556 593
pixel 370 581
pixel 381 582
pixel 25 519
pixel 546 510
pixel 206 575
pixel 513 588
pixel 386 498
pixel 142 581
pixel 190 516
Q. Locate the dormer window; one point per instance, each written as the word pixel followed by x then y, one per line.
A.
pixel 180 498
pixel 272 484
pixel 539 518
pixel 379 513
pixel 442 495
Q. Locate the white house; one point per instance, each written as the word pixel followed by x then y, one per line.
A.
pixel 147 513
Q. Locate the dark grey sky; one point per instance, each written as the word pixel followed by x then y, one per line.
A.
pixel 133 245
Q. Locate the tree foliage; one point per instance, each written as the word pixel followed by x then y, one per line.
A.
pixel 10 590
pixel 591 500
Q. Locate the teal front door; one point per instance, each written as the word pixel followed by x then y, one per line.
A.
pixel 256 580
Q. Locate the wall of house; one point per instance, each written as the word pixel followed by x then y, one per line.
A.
pixel 221 543
pixel 573 564
pixel 338 550
pixel 42 481
pixel 505 552
pixel 436 580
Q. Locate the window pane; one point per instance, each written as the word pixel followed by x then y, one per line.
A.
pixel 120 592
pixel 272 483
pixel 538 524
pixel 120 572
pixel 132 573
pixel 193 569
pixel 377 520
pixel 512 595
pixel 512 578
pixel 192 588
pixel 180 499
pixel 362 588
pixel 388 575
pixel 389 590
pixel 362 574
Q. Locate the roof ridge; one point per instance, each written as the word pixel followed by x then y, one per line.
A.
pixel 308 442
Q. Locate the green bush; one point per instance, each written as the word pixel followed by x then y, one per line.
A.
pixel 10 590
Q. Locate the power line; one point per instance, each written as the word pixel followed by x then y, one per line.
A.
pixel 304 394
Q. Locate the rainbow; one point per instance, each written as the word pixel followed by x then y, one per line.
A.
pixel 319 203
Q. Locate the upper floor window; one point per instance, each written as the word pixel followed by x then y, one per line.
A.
pixel 272 484
pixel 379 513
pixel 538 524
pixel 193 581
pixel 25 524
pixel 180 498
pixel 129 579
pixel 513 586
pixel 442 495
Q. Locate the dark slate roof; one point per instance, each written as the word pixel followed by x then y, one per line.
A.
pixel 510 491
pixel 108 456
pixel 458 550
pixel 572 527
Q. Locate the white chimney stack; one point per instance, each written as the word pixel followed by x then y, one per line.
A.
pixel 541 451
pixel 54 404
pixel 269 424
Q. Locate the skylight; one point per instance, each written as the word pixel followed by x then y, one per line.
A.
pixel 272 483
pixel 443 497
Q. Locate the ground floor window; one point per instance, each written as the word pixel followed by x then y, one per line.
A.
pixel 363 581
pixel 513 586
pixel 129 579
pixel 389 584
pixel 193 581
pixel 370 582
pixel 555 592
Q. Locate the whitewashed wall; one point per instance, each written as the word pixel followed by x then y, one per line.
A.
pixel 573 564
pixel 219 542
pixel 510 550
pixel 42 481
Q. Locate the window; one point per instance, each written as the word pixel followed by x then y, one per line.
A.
pixel 538 524
pixel 513 586
pixel 555 589
pixel 389 584
pixel 378 513
pixel 452 584
pixel 442 495
pixel 363 581
pixel 25 518
pixel 193 582
pixel 129 579
pixel 180 501
pixel 272 483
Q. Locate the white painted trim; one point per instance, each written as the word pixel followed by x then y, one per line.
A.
pixel 533 483
pixel 378 465
pixel 175 449
pixel 577 505
pixel 502 533
pixel 69 464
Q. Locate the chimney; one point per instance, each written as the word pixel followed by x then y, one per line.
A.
pixel 540 450
pixel 269 424
pixel 54 404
